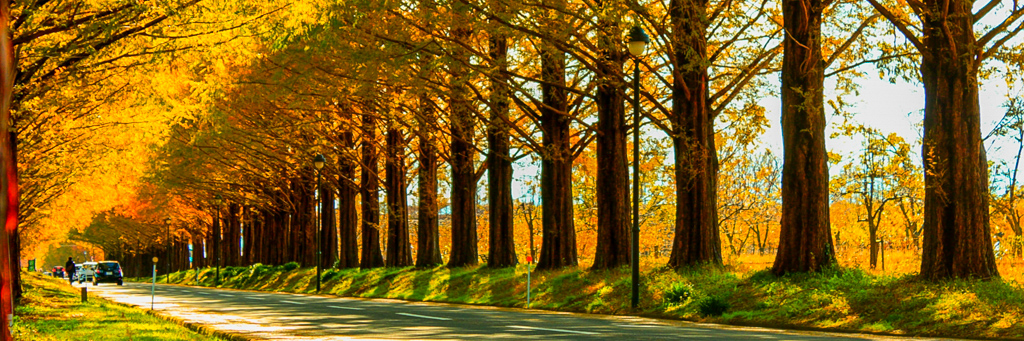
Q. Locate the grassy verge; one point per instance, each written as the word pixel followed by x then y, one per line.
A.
pixel 841 299
pixel 52 310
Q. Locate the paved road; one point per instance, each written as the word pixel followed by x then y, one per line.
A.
pixel 281 316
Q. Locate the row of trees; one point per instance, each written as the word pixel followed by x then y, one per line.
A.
pixel 416 80
pixel 418 85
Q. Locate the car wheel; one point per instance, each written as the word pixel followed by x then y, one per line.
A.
pixel 120 283
pixel 94 283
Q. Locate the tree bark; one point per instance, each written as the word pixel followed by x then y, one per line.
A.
pixel 371 256
pixel 428 249
pixel 501 251
pixel 957 243
pixel 696 172
pixel 612 183
pixel 348 218
pixel 216 260
pixel 463 197
pixel 14 217
pixel 805 237
pixel 398 251
pixel 558 235
pixel 328 228
pixel 247 235
pixel 233 240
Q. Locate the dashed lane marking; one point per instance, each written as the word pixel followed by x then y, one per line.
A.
pixel 426 317
pixel 554 330
pixel 349 308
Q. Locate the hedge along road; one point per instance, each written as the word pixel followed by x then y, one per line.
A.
pixel 282 316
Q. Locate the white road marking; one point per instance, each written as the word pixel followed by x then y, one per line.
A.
pixel 226 295
pixel 292 302
pixel 554 330
pixel 636 325
pixel 426 317
pixel 349 308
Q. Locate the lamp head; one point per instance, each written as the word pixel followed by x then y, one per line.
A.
pixel 319 161
pixel 217 200
pixel 167 221
pixel 638 41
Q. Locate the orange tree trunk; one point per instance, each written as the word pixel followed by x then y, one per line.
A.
pixel 805 237
pixel 501 251
pixel 370 205
pixel 612 183
pixel 348 219
pixel 463 197
pixel 328 229
pixel 956 242
pixel 558 238
pixel 696 229
pixel 428 250
pixel 398 252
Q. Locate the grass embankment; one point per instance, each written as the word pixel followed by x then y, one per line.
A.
pixel 842 300
pixel 53 310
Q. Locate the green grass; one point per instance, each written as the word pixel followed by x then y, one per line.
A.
pixel 52 310
pixel 839 299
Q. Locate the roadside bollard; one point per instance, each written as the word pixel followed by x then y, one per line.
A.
pixel 85 294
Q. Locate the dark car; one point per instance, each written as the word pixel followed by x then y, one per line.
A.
pixel 108 271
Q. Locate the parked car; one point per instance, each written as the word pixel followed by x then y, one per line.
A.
pixel 86 271
pixel 108 271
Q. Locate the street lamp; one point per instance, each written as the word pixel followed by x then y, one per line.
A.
pixel 167 251
pixel 318 162
pixel 638 41
pixel 217 200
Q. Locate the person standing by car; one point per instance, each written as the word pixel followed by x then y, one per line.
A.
pixel 70 268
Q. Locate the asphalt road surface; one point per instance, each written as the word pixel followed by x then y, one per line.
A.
pixel 283 316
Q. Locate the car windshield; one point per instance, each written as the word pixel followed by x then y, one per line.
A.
pixel 108 266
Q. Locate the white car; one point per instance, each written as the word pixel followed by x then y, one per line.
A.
pixel 86 272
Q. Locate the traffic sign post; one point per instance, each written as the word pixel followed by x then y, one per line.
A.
pixel 152 290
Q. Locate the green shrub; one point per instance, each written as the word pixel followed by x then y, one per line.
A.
pixel 712 306
pixel 233 271
pixel 679 293
pixel 328 275
pixel 290 266
pixel 258 270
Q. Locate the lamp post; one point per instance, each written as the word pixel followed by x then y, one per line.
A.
pixel 638 41
pixel 217 200
pixel 167 252
pixel 318 162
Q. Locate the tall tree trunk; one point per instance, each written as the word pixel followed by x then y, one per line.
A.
pixel 247 235
pixel 14 217
pixel 233 239
pixel 463 197
pixel 956 241
pixel 371 256
pixel 612 185
pixel 216 259
pixel 558 238
pixel 328 229
pixel 696 232
pixel 873 242
pixel 398 251
pixel 805 237
pixel 428 250
pixel 501 251
pixel 348 219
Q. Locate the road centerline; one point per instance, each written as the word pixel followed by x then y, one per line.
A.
pixel 426 317
pixel 292 302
